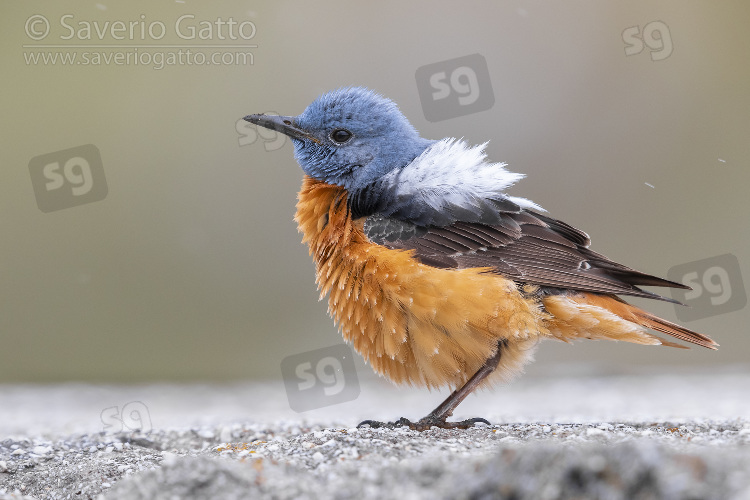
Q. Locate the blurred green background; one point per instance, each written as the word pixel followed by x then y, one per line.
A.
pixel 191 267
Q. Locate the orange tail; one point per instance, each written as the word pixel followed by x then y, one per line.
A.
pixel 634 314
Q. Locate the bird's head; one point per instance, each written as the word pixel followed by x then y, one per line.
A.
pixel 349 137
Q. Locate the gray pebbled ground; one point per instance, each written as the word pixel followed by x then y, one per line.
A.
pixel 568 456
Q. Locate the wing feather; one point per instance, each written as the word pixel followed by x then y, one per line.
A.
pixel 525 246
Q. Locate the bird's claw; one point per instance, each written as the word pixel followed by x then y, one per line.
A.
pixel 424 424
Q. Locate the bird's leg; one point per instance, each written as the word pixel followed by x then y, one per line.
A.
pixel 439 416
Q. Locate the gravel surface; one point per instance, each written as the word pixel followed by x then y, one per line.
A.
pixel 242 441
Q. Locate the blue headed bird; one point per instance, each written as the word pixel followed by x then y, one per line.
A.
pixel 433 273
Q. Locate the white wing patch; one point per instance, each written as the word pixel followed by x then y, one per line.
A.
pixel 450 172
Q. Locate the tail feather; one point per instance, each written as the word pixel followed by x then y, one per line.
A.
pixel 640 317
pixel 662 325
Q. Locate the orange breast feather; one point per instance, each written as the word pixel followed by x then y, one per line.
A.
pixel 413 323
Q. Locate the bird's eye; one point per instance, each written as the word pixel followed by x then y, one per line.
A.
pixel 341 135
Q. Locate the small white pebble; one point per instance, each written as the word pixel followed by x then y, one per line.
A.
pixel 318 456
pixel 19 452
pixel 3 466
pixel 169 458
pixel 307 445
pixel 225 434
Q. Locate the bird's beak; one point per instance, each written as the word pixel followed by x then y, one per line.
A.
pixel 283 124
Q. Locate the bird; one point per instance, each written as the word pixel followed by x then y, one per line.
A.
pixel 434 274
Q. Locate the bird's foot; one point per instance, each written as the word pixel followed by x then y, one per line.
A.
pixel 424 424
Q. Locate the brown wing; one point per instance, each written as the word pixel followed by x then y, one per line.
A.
pixel 526 247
